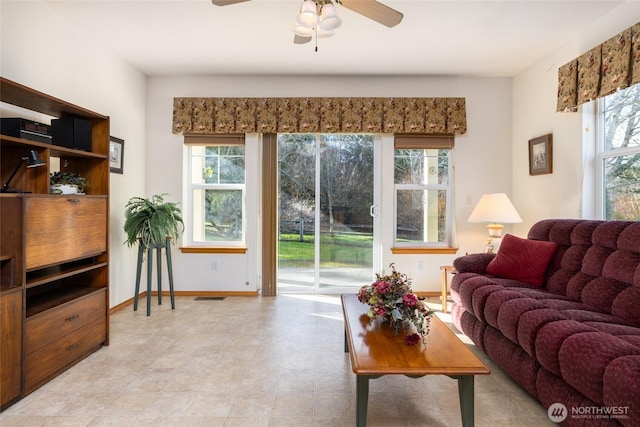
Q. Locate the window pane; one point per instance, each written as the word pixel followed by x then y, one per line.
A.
pixel 217 165
pixel 622 187
pixel 217 215
pixel 421 166
pixel 421 216
pixel 621 118
pixel 232 170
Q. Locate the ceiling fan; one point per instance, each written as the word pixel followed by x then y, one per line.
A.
pixel 370 8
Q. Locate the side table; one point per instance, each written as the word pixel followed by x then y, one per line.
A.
pixel 446 270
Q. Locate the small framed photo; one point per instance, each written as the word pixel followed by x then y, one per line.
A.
pixel 541 155
pixel 116 154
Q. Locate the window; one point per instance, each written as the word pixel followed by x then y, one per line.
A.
pixel 216 194
pixel 422 178
pixel 619 155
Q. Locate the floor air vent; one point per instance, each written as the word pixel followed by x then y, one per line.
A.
pixel 209 298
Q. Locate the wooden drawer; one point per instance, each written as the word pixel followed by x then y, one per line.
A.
pixel 63 228
pixel 44 363
pixel 50 325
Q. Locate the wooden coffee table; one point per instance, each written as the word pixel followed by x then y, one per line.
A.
pixel 375 351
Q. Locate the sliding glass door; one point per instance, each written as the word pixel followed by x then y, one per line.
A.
pixel 327 188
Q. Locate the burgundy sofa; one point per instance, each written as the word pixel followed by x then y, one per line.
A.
pixel 575 339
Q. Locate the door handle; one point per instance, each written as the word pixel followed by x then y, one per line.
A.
pixel 372 210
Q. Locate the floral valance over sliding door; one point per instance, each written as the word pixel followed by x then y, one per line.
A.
pixel 325 115
pixel 613 65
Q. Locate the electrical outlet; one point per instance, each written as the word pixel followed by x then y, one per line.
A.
pixel 420 265
pixel 214 265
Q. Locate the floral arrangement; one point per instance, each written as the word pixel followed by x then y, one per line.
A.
pixel 391 297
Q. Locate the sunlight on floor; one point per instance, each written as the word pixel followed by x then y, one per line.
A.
pixel 328 299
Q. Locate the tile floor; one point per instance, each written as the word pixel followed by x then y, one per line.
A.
pixel 251 362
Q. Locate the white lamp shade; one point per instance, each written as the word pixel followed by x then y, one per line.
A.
pixel 495 208
pixel 303 30
pixel 308 14
pixel 329 19
pixel 322 33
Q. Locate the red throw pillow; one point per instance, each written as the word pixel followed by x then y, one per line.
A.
pixel 522 259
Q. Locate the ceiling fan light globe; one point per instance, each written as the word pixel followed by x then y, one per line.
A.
pixel 308 14
pixel 330 23
pixel 309 6
pixel 328 9
pixel 308 19
pixel 323 33
pixel 302 30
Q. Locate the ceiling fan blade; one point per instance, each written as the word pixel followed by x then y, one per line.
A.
pixel 374 10
pixel 226 2
pixel 301 40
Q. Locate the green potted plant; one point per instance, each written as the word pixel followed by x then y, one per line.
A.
pixel 67 183
pixel 151 221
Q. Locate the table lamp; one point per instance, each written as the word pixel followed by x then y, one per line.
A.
pixel 494 209
pixel 33 160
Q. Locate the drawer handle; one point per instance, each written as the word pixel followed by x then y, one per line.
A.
pixel 74 200
pixel 72 318
pixel 73 346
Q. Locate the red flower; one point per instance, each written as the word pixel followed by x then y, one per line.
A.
pixel 381 286
pixel 412 339
pixel 380 311
pixel 410 300
pixel 364 295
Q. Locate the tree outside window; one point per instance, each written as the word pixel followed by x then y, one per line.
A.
pixel 619 155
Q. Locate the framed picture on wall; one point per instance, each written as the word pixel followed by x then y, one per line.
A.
pixel 541 155
pixel 116 154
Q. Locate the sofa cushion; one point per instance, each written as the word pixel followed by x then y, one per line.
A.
pixel 511 312
pixel 601 292
pixel 626 304
pixel 550 339
pixel 584 358
pixel 465 285
pixel 479 300
pixel 494 302
pixel 530 324
pixel 621 388
pixel 522 259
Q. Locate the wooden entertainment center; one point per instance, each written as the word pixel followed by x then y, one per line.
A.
pixel 54 255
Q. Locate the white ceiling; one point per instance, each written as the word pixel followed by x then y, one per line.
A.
pixel 470 38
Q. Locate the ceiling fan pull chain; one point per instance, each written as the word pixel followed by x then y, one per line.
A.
pixel 316 38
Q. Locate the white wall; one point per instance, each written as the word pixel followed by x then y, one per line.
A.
pixel 557 195
pixel 481 158
pixel 39 50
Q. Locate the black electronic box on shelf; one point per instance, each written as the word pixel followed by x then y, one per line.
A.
pixel 25 129
pixel 72 132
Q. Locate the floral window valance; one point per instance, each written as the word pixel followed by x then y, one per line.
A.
pixel 613 65
pixel 325 115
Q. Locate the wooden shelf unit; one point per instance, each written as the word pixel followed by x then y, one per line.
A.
pixel 54 255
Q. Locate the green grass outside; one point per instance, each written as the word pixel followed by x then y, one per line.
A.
pixel 339 250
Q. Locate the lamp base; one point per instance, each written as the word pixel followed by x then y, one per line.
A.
pixel 495 230
pixel 7 190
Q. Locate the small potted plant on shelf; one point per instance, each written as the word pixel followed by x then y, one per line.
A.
pixel 152 221
pixel 67 183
